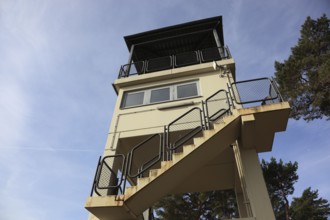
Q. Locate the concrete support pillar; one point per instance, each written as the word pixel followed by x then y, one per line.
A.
pixel 146 214
pixel 254 191
pixel 240 196
pixel 241 205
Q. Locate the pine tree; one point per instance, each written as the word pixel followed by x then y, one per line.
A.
pixel 310 207
pixel 280 178
pixel 304 78
pixel 211 205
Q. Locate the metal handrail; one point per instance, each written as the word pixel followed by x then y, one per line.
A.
pixel 173 64
pixel 187 136
pixel 126 69
pixel 145 166
pixel 96 174
pixel 99 174
pixel 147 66
pixel 276 89
pixel 121 72
pixel 267 97
pixel 228 52
pixel 166 146
pixel 219 54
pixel 197 57
pixel 225 110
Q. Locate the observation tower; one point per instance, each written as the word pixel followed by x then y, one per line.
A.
pixel 182 123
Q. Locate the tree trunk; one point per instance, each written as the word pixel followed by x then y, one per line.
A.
pixel 287 217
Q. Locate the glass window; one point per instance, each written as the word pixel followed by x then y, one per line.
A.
pixel 132 99
pixel 160 95
pixel 187 90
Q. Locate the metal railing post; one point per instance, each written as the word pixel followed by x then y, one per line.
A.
pixel 230 95
pixel 95 176
pixel 189 132
pixel 273 82
pixel 222 53
pixel 164 144
pixel 148 164
pixel 205 115
pixel 125 174
pixel 228 52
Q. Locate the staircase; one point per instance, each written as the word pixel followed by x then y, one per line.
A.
pixel 194 158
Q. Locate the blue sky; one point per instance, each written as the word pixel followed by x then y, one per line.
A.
pixel 58 59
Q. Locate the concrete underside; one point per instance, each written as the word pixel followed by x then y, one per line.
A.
pixel 208 164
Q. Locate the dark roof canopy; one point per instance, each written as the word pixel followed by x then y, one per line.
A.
pixel 186 37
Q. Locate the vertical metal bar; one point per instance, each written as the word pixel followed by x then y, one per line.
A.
pixel 201 119
pixel 168 141
pixel 217 41
pixel 229 91
pixel 164 144
pixel 229 104
pixel 228 52
pixel 96 172
pixel 139 173
pixel 144 66
pixel 207 111
pixel 205 115
pixel 125 173
pixel 120 71
pixel 270 93
pixel 272 80
pixel 150 214
pixel 161 146
pixel 129 165
pixel 199 55
pixel 130 58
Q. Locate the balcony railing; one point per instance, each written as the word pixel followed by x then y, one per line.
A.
pixel 174 61
pixel 114 171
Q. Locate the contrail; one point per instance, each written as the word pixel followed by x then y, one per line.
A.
pixel 49 149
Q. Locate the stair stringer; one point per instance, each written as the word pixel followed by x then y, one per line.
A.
pixel 207 147
pixel 162 181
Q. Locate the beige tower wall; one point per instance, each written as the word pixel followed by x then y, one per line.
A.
pixel 132 125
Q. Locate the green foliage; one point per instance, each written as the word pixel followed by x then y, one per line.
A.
pixel 211 205
pixel 214 205
pixel 280 178
pixel 304 78
pixel 310 207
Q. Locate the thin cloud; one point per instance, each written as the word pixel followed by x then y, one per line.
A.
pixel 51 149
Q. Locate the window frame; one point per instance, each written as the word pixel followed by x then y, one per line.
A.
pixel 124 99
pixel 182 84
pixel 147 94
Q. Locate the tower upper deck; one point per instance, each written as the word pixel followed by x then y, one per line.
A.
pixel 175 46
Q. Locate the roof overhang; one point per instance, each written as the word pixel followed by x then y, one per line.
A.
pixel 176 39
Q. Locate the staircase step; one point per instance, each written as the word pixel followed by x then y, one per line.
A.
pixel 199 140
pixel 153 173
pixel 176 157
pixel 166 164
pixel 218 126
pixel 141 182
pixel 139 197
pixel 188 148
pixel 130 191
pixel 208 132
